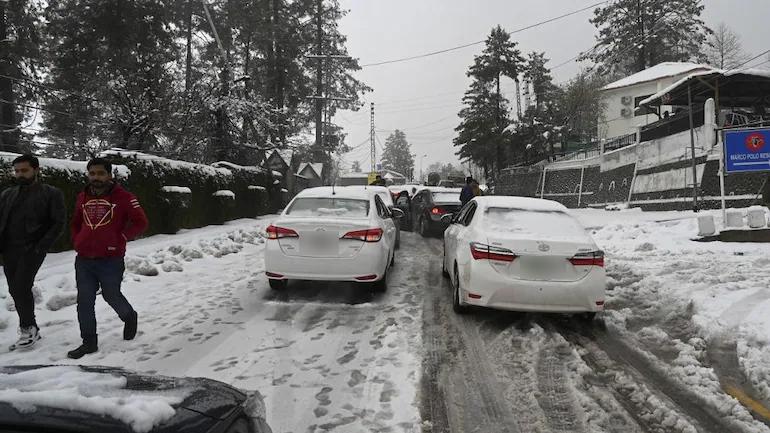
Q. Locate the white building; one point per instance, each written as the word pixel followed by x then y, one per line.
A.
pixel 621 98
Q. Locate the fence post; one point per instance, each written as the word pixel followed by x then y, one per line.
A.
pixel 580 190
pixel 542 186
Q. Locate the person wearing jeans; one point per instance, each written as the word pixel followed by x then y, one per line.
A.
pixel 32 217
pixel 106 216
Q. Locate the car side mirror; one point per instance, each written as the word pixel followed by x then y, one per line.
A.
pixel 447 218
pixel 398 213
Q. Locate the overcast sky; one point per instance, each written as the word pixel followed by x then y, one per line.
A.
pixel 422 97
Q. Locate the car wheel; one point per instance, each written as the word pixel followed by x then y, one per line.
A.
pixel 382 285
pixel 278 284
pixel 457 304
pixel 444 272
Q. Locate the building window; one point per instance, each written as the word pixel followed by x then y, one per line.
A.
pixel 643 111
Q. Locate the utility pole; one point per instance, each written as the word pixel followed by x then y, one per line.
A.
pixel 321 96
pixel 373 149
pixel 692 150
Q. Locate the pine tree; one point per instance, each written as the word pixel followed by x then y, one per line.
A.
pixel 109 70
pixel 19 61
pixel 397 155
pixel 637 34
pixel 486 113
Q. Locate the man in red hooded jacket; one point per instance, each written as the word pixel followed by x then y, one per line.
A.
pixel 106 217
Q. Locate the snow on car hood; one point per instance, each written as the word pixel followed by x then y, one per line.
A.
pixel 74 389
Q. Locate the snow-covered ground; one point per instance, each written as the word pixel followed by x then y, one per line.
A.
pixel 334 357
pixel 687 302
pixel 325 356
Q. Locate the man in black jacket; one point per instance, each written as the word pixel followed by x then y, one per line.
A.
pixel 32 217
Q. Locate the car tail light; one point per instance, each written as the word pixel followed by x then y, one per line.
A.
pixel 593 258
pixel 481 251
pixel 438 211
pixel 274 232
pixel 369 235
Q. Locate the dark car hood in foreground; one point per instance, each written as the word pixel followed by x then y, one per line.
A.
pixel 212 399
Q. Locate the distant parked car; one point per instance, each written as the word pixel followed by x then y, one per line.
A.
pixel 332 234
pixel 522 254
pixel 77 399
pixel 429 205
pixel 387 197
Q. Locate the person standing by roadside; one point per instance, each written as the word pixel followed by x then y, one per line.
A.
pixel 467 192
pixel 31 219
pixel 476 188
pixel 106 217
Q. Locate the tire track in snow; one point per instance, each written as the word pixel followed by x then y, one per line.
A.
pixel 607 354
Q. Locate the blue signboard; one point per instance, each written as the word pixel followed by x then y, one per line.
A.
pixel 747 150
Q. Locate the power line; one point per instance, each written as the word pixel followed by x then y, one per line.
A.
pixel 459 47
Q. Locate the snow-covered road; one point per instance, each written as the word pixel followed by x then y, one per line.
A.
pixel 683 347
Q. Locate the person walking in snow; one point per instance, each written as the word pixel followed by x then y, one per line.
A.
pixel 31 219
pixel 106 217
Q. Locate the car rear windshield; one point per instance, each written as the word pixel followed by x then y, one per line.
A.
pixel 532 222
pixel 329 207
pixel 446 197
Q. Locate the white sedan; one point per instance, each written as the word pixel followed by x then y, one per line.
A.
pixel 332 234
pixel 522 254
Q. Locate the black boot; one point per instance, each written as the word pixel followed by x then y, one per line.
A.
pixel 89 345
pixel 129 328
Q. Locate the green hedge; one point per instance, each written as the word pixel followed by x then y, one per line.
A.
pixel 167 211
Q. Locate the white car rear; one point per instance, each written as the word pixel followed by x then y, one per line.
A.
pixel 342 234
pixel 523 254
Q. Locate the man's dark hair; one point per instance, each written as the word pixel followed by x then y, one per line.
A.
pixel 100 161
pixel 31 159
pixel 468 180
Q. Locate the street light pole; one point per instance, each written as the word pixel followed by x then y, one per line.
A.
pixel 421 174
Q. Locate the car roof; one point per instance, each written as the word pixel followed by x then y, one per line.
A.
pixel 352 192
pixel 526 203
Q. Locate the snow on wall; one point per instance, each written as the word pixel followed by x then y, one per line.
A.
pixel 673 148
pixel 680 178
pixel 257 187
pixel 121 171
pixel 177 189
pixel 224 193
pixel 231 166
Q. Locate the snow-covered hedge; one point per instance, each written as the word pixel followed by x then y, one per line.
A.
pixel 151 173
pixel 174 194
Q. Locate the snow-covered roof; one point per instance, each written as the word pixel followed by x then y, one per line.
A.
pixel 527 203
pixel 317 167
pixel 393 174
pixel 661 70
pixel 338 192
pixel 177 189
pixel 66 165
pixel 122 153
pixel 284 154
pixel 758 74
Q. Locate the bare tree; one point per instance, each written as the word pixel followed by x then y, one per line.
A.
pixel 724 49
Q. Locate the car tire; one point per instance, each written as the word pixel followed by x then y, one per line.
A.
pixel 278 284
pixel 381 286
pixel 444 272
pixel 398 241
pixel 393 259
pixel 457 304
